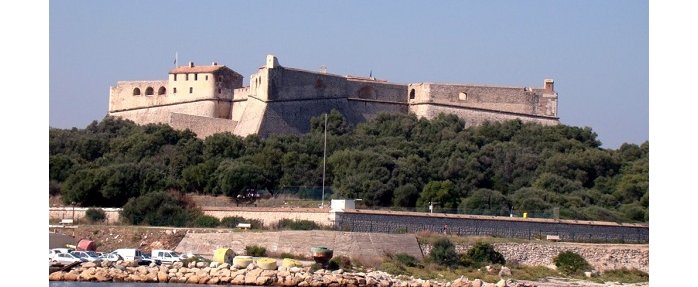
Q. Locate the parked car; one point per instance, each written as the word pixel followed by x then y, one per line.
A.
pixel 147 259
pixel 130 254
pixel 88 255
pixel 67 258
pixel 112 257
pixel 53 252
pixel 167 256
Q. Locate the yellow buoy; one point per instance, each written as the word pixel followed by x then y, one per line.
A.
pixel 223 255
pixel 242 261
pixel 288 262
pixel 266 263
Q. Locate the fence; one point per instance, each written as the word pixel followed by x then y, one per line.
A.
pixel 567 230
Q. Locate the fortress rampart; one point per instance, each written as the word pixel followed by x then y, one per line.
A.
pixel 281 100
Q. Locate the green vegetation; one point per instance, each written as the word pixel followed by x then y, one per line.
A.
pixel 232 222
pixel 256 251
pixel 340 261
pixel 571 263
pixel 624 275
pixel 159 209
pixel 297 224
pixel 94 215
pixel 443 252
pixel 481 254
pixel 393 160
pixel 206 221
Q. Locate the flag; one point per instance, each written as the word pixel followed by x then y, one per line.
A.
pixel 175 59
pixel 370 74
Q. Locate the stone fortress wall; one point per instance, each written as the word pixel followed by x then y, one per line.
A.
pixel 281 100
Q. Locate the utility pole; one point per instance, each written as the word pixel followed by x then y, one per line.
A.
pixel 324 155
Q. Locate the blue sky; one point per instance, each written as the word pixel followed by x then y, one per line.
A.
pixel 597 51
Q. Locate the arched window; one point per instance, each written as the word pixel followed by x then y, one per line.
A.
pixel 412 94
pixel 162 91
pixel 136 92
pixel 149 91
pixel 462 96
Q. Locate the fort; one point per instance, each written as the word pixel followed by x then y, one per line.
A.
pixel 282 100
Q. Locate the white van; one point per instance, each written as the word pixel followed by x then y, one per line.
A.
pixel 129 254
pixel 166 256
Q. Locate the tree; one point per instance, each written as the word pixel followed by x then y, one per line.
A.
pixel 234 177
pixel 158 209
pixel 442 192
pixel 337 124
pixel 485 201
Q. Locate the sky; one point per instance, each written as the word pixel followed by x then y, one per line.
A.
pixel 596 51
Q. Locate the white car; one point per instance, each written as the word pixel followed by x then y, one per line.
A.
pixel 53 252
pixel 113 257
pixel 67 258
pixel 88 255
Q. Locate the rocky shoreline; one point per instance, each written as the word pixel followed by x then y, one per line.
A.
pixel 225 274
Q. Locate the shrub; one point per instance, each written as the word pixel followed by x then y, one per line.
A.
pixel 206 221
pixel 392 268
pixel 569 262
pixel 625 275
pixel 341 261
pixel 95 215
pixel 482 253
pixel 297 224
pixel 256 251
pixel 443 252
pixel 158 209
pixel 287 255
pixel 405 259
pixel 231 221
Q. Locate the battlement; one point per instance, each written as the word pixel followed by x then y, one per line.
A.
pixel 282 99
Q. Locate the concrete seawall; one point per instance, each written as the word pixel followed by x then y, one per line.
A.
pixel 357 245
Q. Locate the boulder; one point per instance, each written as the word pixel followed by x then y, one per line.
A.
pixel 295 269
pixel 501 283
pixel 102 277
pixel 88 265
pixel 200 264
pixel 238 280
pixel 191 264
pixel 162 277
pixel 177 265
pixel 203 280
pixel 193 279
pixel 70 277
pixel 214 281
pixel 262 280
pixel 213 264
pixel 505 271
pixel 56 276
pixel 476 283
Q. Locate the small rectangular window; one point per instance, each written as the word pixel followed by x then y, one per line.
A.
pixel 174 90
pixel 175 77
pixel 191 90
pixel 186 77
pixel 196 77
pixel 219 91
pixel 206 77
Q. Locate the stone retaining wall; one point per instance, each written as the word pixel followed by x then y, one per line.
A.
pixel 602 257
